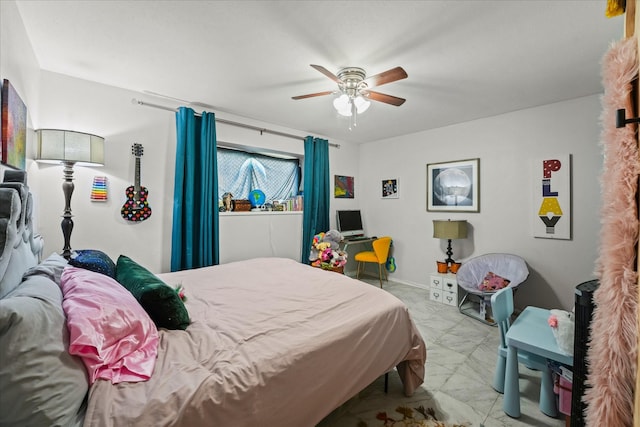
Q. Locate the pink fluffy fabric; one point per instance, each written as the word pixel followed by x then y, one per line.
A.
pixel 613 350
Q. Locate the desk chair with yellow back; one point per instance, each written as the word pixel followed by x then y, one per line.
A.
pixel 378 255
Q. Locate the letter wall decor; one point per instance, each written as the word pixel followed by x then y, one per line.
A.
pixel 551 217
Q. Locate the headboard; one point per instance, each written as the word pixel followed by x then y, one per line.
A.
pixel 19 248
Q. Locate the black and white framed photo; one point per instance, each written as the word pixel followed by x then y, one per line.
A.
pixel 454 186
pixel 390 188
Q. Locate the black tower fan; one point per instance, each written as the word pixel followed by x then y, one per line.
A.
pixel 583 312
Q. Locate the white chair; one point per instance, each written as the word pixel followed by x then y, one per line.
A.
pixel 476 302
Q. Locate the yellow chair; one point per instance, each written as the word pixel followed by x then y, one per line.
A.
pixel 379 256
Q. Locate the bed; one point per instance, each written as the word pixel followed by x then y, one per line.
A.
pixel 269 342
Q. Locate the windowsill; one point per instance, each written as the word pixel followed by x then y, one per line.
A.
pixel 244 213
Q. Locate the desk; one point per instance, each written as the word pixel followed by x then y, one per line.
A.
pixel 352 247
pixel 531 332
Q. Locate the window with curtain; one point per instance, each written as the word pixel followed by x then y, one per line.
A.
pixel 240 172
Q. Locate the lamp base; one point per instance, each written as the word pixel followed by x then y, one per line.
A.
pixel 67 222
pixel 449 260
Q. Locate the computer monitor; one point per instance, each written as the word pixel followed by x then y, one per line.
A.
pixel 349 223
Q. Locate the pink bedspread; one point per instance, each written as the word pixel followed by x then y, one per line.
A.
pixel 273 343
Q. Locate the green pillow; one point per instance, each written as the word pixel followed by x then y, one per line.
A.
pixel 159 300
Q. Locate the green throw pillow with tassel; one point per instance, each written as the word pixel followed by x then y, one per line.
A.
pixel 163 303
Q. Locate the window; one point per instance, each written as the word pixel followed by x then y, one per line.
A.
pixel 240 172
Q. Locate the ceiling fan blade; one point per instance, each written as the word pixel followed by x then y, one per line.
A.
pixel 311 95
pixel 381 97
pixel 385 77
pixel 326 73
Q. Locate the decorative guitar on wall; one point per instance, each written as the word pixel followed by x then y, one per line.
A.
pixel 136 208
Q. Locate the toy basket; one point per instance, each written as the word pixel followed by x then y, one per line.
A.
pixel 334 269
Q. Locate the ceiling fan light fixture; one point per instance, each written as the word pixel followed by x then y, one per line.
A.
pixel 342 104
pixel 361 104
pixel 354 88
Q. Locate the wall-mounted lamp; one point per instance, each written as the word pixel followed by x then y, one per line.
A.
pixel 69 148
pixel 622 121
pixel 447 229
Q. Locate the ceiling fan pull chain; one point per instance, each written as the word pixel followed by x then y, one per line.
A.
pixel 354 113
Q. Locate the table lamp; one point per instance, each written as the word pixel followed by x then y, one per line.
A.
pixel 69 148
pixel 447 229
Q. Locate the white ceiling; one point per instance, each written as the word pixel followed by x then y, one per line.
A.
pixel 465 59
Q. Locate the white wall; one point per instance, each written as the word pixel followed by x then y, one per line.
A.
pixel 64 102
pixel 18 64
pixel 71 103
pixel 504 144
pixel 245 235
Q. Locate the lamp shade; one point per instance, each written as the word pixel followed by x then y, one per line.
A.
pixel 69 146
pixel 447 229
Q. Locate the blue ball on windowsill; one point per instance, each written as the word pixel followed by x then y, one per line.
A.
pixel 257 198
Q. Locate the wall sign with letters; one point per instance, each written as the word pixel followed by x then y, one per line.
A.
pixel 552 197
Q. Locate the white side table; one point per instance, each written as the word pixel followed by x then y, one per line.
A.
pixel 443 288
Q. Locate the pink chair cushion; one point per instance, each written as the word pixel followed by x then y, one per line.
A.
pixel 493 282
pixel 474 271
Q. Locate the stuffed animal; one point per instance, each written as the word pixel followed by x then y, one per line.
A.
pixel 562 325
pixel 338 258
pixel 317 247
pixel 325 247
pixel 333 237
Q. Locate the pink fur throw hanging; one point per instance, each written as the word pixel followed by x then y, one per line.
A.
pixel 612 354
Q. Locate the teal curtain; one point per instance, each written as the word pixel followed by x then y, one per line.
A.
pixel 316 191
pixel 194 239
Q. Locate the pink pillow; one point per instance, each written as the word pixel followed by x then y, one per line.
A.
pixel 493 282
pixel 108 329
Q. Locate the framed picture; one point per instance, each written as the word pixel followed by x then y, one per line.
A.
pixel 343 187
pixel 390 189
pixel 454 186
pixel 14 127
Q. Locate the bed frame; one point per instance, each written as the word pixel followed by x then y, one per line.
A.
pixel 20 249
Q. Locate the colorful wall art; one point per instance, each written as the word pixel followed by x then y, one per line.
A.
pixel 390 189
pixel 343 187
pixel 99 189
pixel 551 217
pixel 14 127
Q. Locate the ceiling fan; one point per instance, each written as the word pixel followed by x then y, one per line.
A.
pixel 354 85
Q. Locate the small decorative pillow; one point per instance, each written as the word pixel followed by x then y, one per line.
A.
pixel 93 260
pixel 493 282
pixel 162 302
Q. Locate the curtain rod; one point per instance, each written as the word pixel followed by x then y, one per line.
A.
pixel 229 122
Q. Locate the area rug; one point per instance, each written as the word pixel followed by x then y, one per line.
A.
pixel 405 416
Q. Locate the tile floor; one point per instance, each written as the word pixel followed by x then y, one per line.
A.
pixel 461 356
